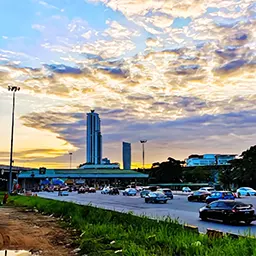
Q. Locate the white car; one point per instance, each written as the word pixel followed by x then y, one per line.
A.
pixel 186 189
pixel 246 191
pixel 207 189
pixel 105 190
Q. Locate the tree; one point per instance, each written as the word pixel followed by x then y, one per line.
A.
pixel 244 169
pixel 226 177
pixel 198 174
pixel 169 171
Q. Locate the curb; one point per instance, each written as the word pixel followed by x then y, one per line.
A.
pixel 212 233
pixel 191 228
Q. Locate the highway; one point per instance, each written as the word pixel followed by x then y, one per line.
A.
pixel 178 208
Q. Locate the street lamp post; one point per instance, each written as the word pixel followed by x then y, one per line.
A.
pixel 70 159
pixel 143 152
pixel 13 89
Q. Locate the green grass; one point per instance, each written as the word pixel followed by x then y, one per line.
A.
pixel 105 232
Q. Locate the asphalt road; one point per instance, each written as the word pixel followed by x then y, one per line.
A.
pixel 178 208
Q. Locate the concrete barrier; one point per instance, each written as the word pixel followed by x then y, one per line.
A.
pixel 191 228
pixel 235 236
pixel 212 233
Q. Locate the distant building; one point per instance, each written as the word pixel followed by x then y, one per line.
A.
pixel 105 161
pixel 209 159
pixel 94 139
pixel 127 156
pixel 100 166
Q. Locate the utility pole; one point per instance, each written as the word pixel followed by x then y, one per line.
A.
pixel 13 89
pixel 143 152
pixel 70 160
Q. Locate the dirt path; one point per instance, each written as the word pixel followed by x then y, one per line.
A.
pixel 26 230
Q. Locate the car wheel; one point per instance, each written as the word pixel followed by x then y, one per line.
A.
pixel 247 222
pixel 248 194
pixel 165 202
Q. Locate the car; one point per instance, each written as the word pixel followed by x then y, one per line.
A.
pixel 208 189
pixel 228 211
pixel 166 191
pixel 81 190
pixel 138 188
pixel 130 192
pixel 92 190
pixel 246 191
pixel 105 190
pixel 64 188
pixel 219 195
pixel 113 191
pixel 186 189
pixel 198 196
pixel 63 193
pixel 144 193
pixel 156 197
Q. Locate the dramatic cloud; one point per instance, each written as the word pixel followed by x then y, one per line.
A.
pixel 176 72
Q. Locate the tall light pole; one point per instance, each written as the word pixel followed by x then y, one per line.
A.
pixel 13 89
pixel 143 152
pixel 70 159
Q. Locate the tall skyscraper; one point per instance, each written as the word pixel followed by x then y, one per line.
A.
pixel 127 155
pixel 94 139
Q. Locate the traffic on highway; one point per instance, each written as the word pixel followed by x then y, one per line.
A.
pixel 205 208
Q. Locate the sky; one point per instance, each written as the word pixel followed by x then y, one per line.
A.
pixel 180 74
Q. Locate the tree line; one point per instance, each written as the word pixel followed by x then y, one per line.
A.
pixel 239 172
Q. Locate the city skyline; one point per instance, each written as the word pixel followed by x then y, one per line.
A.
pixel 178 74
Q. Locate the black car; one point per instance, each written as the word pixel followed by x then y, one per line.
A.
pixel 198 196
pixel 113 191
pixel 154 197
pixel 228 211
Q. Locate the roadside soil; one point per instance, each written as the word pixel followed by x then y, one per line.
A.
pixel 22 229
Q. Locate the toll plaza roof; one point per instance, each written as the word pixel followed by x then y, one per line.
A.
pixel 82 173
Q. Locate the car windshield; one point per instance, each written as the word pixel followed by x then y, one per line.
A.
pixel 167 190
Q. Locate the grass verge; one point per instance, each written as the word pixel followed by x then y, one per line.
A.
pixel 105 232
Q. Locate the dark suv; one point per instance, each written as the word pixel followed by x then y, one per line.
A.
pixel 113 191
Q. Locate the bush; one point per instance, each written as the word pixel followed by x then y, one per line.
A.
pixel 105 232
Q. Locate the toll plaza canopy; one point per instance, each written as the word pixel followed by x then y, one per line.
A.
pixel 82 174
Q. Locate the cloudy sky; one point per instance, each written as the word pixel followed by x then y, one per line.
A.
pixel 179 73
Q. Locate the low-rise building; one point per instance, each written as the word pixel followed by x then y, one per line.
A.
pixel 34 177
pixel 209 159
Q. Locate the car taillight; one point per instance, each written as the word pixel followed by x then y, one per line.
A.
pixel 234 210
